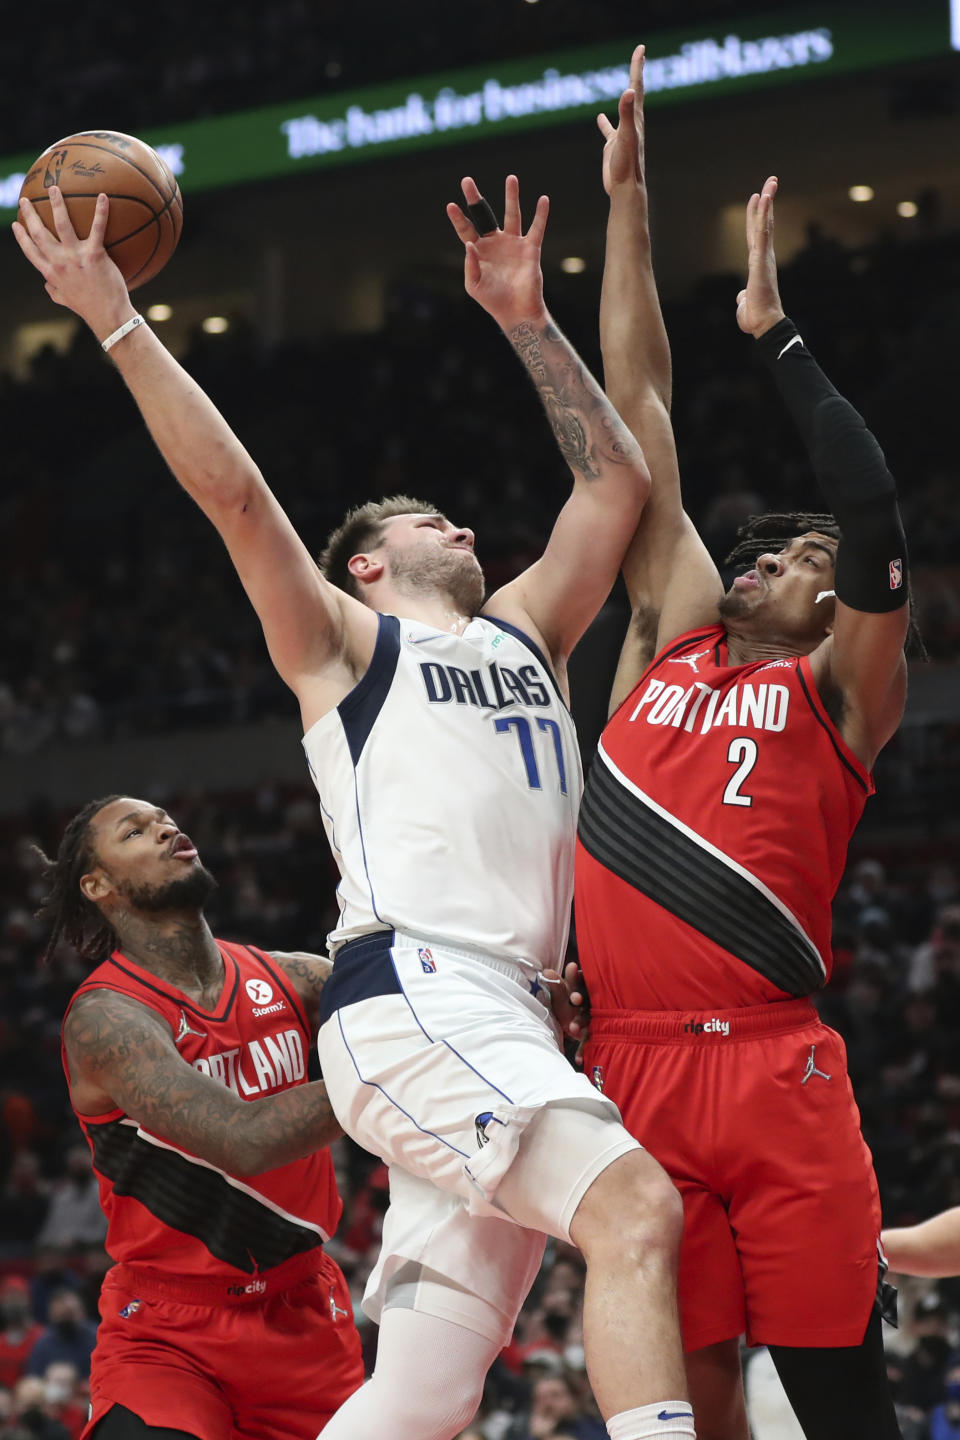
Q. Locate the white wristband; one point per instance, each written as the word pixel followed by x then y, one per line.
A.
pixel 125 329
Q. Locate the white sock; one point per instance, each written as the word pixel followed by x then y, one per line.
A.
pixel 652 1422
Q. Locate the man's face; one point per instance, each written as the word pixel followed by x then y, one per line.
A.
pixel 426 554
pixel 779 597
pixel 14 1303
pixel 552 1398
pixel 144 860
pixel 65 1309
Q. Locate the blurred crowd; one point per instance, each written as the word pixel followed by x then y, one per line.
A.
pixel 185 62
pixel 895 998
pixel 122 617
pixel 105 566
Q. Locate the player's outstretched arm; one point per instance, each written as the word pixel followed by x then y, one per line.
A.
pixel 304 619
pixel 863 657
pixel 560 594
pixel 121 1054
pixel 930 1248
pixel 667 569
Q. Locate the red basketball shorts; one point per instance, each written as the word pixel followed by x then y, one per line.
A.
pixel 272 1364
pixel 752 1115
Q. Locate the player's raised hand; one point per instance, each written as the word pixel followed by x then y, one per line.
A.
pixel 78 273
pixel 502 266
pixel 758 305
pixel 623 150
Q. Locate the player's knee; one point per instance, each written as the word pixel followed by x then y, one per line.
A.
pixel 631 1214
pixel 466 1406
pixel 432 1412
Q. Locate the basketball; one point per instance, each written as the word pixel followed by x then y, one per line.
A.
pixel 146 211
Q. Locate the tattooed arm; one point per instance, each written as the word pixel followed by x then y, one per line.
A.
pixel 122 1055
pixel 308 973
pixel 558 596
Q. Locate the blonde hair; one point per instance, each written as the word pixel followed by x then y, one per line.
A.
pixel 362 529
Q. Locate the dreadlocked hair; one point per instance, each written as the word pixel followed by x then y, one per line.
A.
pixel 775 531
pixel 64 907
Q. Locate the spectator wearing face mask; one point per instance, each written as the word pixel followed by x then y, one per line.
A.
pixel 30 1418
pixel 53 1270
pixel 69 1336
pixel 19 1332
pixel 62 1399
pixel 924 1368
pixel 75 1217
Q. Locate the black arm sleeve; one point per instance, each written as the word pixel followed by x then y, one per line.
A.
pixel 871 570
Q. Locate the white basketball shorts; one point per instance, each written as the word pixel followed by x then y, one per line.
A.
pixel 447 1065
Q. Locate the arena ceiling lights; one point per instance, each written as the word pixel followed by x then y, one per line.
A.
pixel 831 38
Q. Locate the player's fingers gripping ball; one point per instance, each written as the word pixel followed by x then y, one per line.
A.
pixel 146 210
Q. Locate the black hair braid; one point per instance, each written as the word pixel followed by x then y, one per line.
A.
pixel 64 907
pixel 775 531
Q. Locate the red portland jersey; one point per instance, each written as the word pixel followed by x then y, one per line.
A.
pixel 713 835
pixel 169 1210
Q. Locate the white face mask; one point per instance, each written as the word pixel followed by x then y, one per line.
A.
pixel 57 1392
pixel 575 1357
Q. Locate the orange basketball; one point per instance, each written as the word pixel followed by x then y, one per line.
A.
pixel 146 211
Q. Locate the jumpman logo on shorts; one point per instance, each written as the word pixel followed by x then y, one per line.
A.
pixel 335 1309
pixel 811 1069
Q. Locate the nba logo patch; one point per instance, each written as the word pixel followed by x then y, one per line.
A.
pixel 597 1077
pixel 427 962
pixel 130 1309
pixel 896 574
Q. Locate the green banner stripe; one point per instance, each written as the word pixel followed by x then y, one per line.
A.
pixel 502 98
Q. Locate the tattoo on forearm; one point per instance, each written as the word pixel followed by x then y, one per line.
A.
pixel 587 429
pixel 309 974
pixel 129 1052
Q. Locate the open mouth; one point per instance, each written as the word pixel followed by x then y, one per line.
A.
pixel 183 848
pixel 750 581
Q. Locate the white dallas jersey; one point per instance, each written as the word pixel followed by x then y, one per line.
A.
pixel 449 780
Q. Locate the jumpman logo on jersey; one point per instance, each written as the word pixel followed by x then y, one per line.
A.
pixel 185 1029
pixel 335 1309
pixel 690 660
pixel 811 1069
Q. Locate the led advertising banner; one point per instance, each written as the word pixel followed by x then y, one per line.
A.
pixel 818 40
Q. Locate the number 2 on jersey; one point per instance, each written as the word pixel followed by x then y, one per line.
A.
pixel 521 725
pixel 743 754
